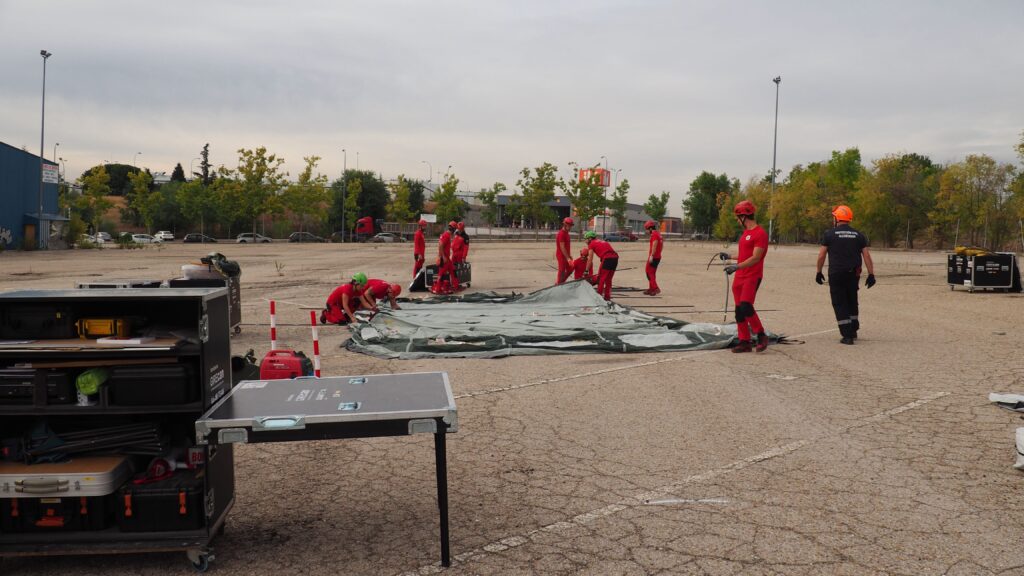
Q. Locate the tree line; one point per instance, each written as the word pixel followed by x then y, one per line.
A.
pixel 900 199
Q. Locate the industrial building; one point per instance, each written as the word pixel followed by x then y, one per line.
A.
pixel 20 220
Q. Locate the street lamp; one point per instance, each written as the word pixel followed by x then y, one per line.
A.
pixel 42 132
pixel 357 160
pixel 134 157
pixel 430 170
pixel 344 190
pixel 775 141
pixel 191 172
pixel 604 196
pixel 55 144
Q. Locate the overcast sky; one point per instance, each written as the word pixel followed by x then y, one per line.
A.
pixel 662 89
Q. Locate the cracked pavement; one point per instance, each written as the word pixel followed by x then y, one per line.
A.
pixel 880 458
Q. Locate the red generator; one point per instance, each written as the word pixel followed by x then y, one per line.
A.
pixel 285 364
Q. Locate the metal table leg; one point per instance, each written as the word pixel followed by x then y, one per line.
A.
pixel 441 460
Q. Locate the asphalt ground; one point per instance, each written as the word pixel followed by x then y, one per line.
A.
pixel 817 458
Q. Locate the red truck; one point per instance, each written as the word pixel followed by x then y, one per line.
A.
pixel 364 228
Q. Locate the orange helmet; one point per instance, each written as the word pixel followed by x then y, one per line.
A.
pixel 650 224
pixel 396 289
pixel 744 208
pixel 423 223
pixel 843 213
pixel 568 221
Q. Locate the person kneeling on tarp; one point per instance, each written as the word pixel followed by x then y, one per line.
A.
pixel 344 300
pixel 378 290
pixel 609 262
pixel 579 267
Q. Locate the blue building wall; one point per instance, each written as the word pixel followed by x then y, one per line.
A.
pixel 19 193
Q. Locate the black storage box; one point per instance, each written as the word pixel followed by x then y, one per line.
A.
pixel 172 504
pixel 463 272
pixel 55 514
pixel 38 322
pixel 157 385
pixel 232 283
pixel 18 386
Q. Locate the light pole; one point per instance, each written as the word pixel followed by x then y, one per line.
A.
pixel 775 141
pixel 344 190
pixel 55 144
pixel 191 171
pixel 430 170
pixel 42 132
pixel 357 160
pixel 137 155
pixel 604 195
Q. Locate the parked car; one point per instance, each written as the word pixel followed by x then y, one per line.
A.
pixel 247 237
pixel 90 239
pixel 305 237
pixel 104 236
pixel 628 235
pixel 698 236
pixel 197 237
pixel 146 239
pixel 387 237
pixel 165 235
pixel 615 237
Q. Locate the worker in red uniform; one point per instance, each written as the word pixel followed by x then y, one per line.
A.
pixel 344 300
pixel 563 251
pixel 419 249
pixel 444 263
pixel 749 269
pixel 379 290
pixel 653 258
pixel 579 267
pixel 609 262
pixel 465 240
pixel 458 246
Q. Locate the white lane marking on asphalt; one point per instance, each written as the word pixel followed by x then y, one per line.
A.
pixel 667 501
pixel 289 302
pixel 680 358
pixel 667 491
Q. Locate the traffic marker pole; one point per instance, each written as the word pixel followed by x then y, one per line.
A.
pixel 273 326
pixel 316 344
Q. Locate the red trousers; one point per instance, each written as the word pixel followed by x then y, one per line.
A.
pixel 564 269
pixel 744 291
pixel 446 268
pixel 652 272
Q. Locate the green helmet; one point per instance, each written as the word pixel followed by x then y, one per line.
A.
pixel 589 235
pixel 359 278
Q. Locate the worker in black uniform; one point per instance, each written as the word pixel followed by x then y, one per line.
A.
pixel 846 248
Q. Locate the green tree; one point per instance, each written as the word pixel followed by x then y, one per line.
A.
pixel 197 201
pixel 489 199
pixel 448 205
pixel 537 189
pixel 307 196
pixel 893 198
pixel 351 213
pixel 204 173
pixel 399 209
pixel 617 203
pixel 230 201
pixel 140 198
pixel 587 196
pixel 416 196
pixel 373 196
pixel 975 194
pixel 178 174
pixel 656 206
pixel 261 179
pixel 701 204
pixel 92 203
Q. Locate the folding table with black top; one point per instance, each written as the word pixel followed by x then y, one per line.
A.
pixel 340 407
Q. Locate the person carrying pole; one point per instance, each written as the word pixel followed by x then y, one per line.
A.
pixel 344 300
pixel 653 258
pixel 444 263
pixel 609 262
pixel 419 248
pixel 563 251
pixel 749 269
pixel 846 249
pixel 379 290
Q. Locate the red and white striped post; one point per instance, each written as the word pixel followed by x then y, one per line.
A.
pixel 316 344
pixel 273 326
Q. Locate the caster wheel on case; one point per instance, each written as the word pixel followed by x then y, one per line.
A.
pixel 238 330
pixel 200 560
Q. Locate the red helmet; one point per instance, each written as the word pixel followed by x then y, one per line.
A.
pixel 650 224
pixel 423 223
pixel 396 289
pixel 568 221
pixel 744 208
pixel 462 225
pixel 452 224
pixel 584 251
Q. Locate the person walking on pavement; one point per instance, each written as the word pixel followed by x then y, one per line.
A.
pixel 846 249
pixel 563 251
pixel 609 262
pixel 749 269
pixel 419 249
pixel 653 258
pixel 344 300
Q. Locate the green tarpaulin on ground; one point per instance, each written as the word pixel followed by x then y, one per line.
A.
pixel 566 319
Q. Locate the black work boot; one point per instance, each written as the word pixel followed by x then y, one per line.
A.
pixel 743 346
pixel 846 340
